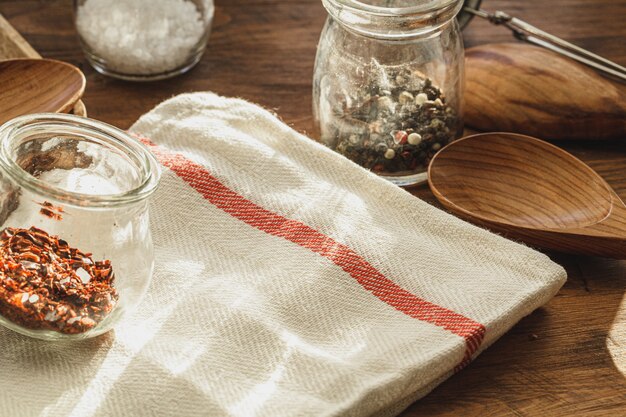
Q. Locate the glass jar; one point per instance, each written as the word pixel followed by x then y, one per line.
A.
pixel 76 253
pixel 388 83
pixel 143 40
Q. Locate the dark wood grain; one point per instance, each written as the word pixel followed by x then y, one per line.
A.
pixel 567 359
pixel 517 87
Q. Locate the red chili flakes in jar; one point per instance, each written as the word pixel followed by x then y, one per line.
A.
pixel 47 285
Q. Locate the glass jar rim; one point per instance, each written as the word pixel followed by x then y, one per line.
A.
pixel 148 166
pixel 424 7
pixel 393 23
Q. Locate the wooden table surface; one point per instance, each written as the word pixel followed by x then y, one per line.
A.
pixel 567 359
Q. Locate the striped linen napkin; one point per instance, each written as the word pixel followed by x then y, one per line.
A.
pixel 288 282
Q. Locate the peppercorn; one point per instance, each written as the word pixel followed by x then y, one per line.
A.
pixel 394 124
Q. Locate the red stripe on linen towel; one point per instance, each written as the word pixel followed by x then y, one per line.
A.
pixel 218 194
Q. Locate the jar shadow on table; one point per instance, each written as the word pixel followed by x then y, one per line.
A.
pixel 560 350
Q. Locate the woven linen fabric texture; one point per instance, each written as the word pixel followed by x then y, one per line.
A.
pixel 288 282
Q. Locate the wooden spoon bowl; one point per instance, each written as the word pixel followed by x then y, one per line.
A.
pixel 38 86
pixel 531 190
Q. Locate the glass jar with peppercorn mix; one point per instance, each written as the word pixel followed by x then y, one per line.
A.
pixel 76 252
pixel 388 83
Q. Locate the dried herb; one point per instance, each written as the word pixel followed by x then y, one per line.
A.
pixel 47 285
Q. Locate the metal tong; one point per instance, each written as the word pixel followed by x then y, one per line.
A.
pixel 529 33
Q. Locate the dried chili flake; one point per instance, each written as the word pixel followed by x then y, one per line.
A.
pixel 47 285
pixel 51 211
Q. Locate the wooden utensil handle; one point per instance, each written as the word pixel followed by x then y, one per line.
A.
pixel 526 32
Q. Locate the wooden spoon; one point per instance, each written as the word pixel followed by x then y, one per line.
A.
pixel 530 190
pixel 513 87
pixel 38 85
pixel 13 45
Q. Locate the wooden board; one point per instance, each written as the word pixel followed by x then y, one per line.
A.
pixel 13 45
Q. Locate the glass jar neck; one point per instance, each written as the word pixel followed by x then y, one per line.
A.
pixel 393 19
pixel 62 142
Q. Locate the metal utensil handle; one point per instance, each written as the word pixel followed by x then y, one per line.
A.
pixel 527 32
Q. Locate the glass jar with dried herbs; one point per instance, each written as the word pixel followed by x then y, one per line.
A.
pixel 388 83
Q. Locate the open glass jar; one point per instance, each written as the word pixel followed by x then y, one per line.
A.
pixel 143 40
pixel 76 252
pixel 388 83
